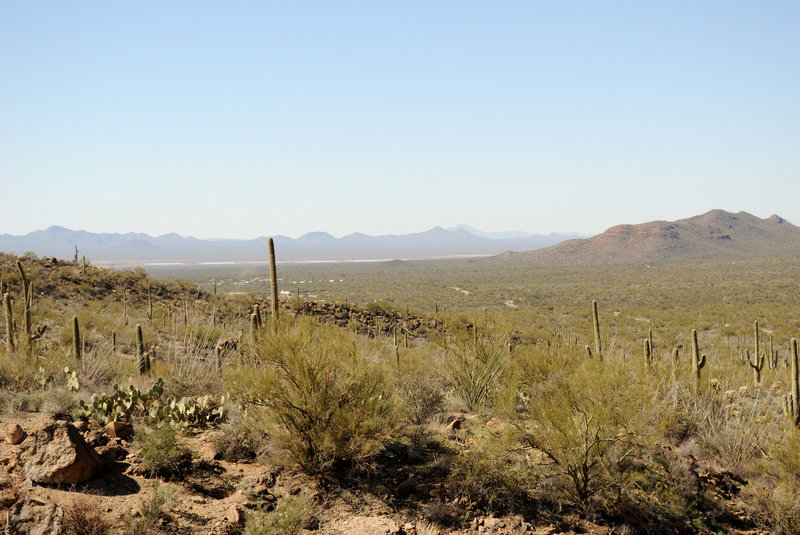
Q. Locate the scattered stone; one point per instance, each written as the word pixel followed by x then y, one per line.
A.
pixel 81 425
pixel 31 516
pixel 234 515
pixel 58 454
pixel 111 454
pixel 14 434
pixel 120 430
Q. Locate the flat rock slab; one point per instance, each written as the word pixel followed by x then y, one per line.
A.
pixel 33 517
pixel 57 453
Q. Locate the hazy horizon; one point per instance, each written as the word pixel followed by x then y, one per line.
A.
pixel 246 119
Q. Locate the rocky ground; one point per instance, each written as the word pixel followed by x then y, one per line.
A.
pixel 50 468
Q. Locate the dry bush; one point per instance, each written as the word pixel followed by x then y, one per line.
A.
pixel 84 517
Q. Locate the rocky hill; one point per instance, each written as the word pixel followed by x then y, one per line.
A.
pixel 715 234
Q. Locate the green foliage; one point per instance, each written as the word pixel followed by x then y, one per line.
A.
pixel 123 404
pixel 421 393
pixel 580 427
pixel 292 516
pixel 321 399
pixel 161 455
pixel 475 362
pixel 162 498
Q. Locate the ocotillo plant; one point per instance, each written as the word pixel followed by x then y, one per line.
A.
pixel 597 345
pixel 273 278
pixel 76 337
pixel 143 364
pixel 757 366
pixel 9 321
pixel 698 361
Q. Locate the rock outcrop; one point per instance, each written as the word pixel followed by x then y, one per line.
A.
pixel 57 454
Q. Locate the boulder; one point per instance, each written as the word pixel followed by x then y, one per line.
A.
pixel 14 434
pixel 58 454
pixel 31 516
pixel 122 430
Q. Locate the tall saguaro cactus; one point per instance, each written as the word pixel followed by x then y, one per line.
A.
pixel 597 344
pixel 143 363
pixel 698 361
pixel 791 402
pixel 273 277
pixel 9 321
pixel 76 337
pixel 26 303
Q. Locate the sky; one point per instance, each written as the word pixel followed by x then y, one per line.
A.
pixel 240 119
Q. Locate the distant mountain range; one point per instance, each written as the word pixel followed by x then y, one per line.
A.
pixel 713 235
pixel 140 249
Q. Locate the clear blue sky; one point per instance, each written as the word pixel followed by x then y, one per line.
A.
pixel 238 119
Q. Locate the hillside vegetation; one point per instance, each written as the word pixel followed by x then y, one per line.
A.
pixel 431 410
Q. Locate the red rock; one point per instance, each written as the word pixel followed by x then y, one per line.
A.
pixel 121 430
pixel 58 454
pixel 14 434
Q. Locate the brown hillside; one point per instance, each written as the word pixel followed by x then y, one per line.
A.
pixel 715 234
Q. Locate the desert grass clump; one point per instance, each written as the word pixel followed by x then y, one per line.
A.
pixel 322 399
pixel 474 364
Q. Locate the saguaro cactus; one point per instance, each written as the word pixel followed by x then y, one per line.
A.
pixel 698 361
pixel 26 303
pixel 257 314
pixel 76 337
pixel 273 278
pixel 648 357
pixel 149 304
pixel 9 321
pixel 791 402
pixel 675 360
pixel 757 364
pixel 597 344
pixel 254 327
pixel 144 365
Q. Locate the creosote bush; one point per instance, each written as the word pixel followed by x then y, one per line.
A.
pixel 320 397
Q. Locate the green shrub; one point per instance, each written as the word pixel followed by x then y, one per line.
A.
pixel 292 516
pixel 322 400
pixel 582 424
pixel 161 455
pixel 421 394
